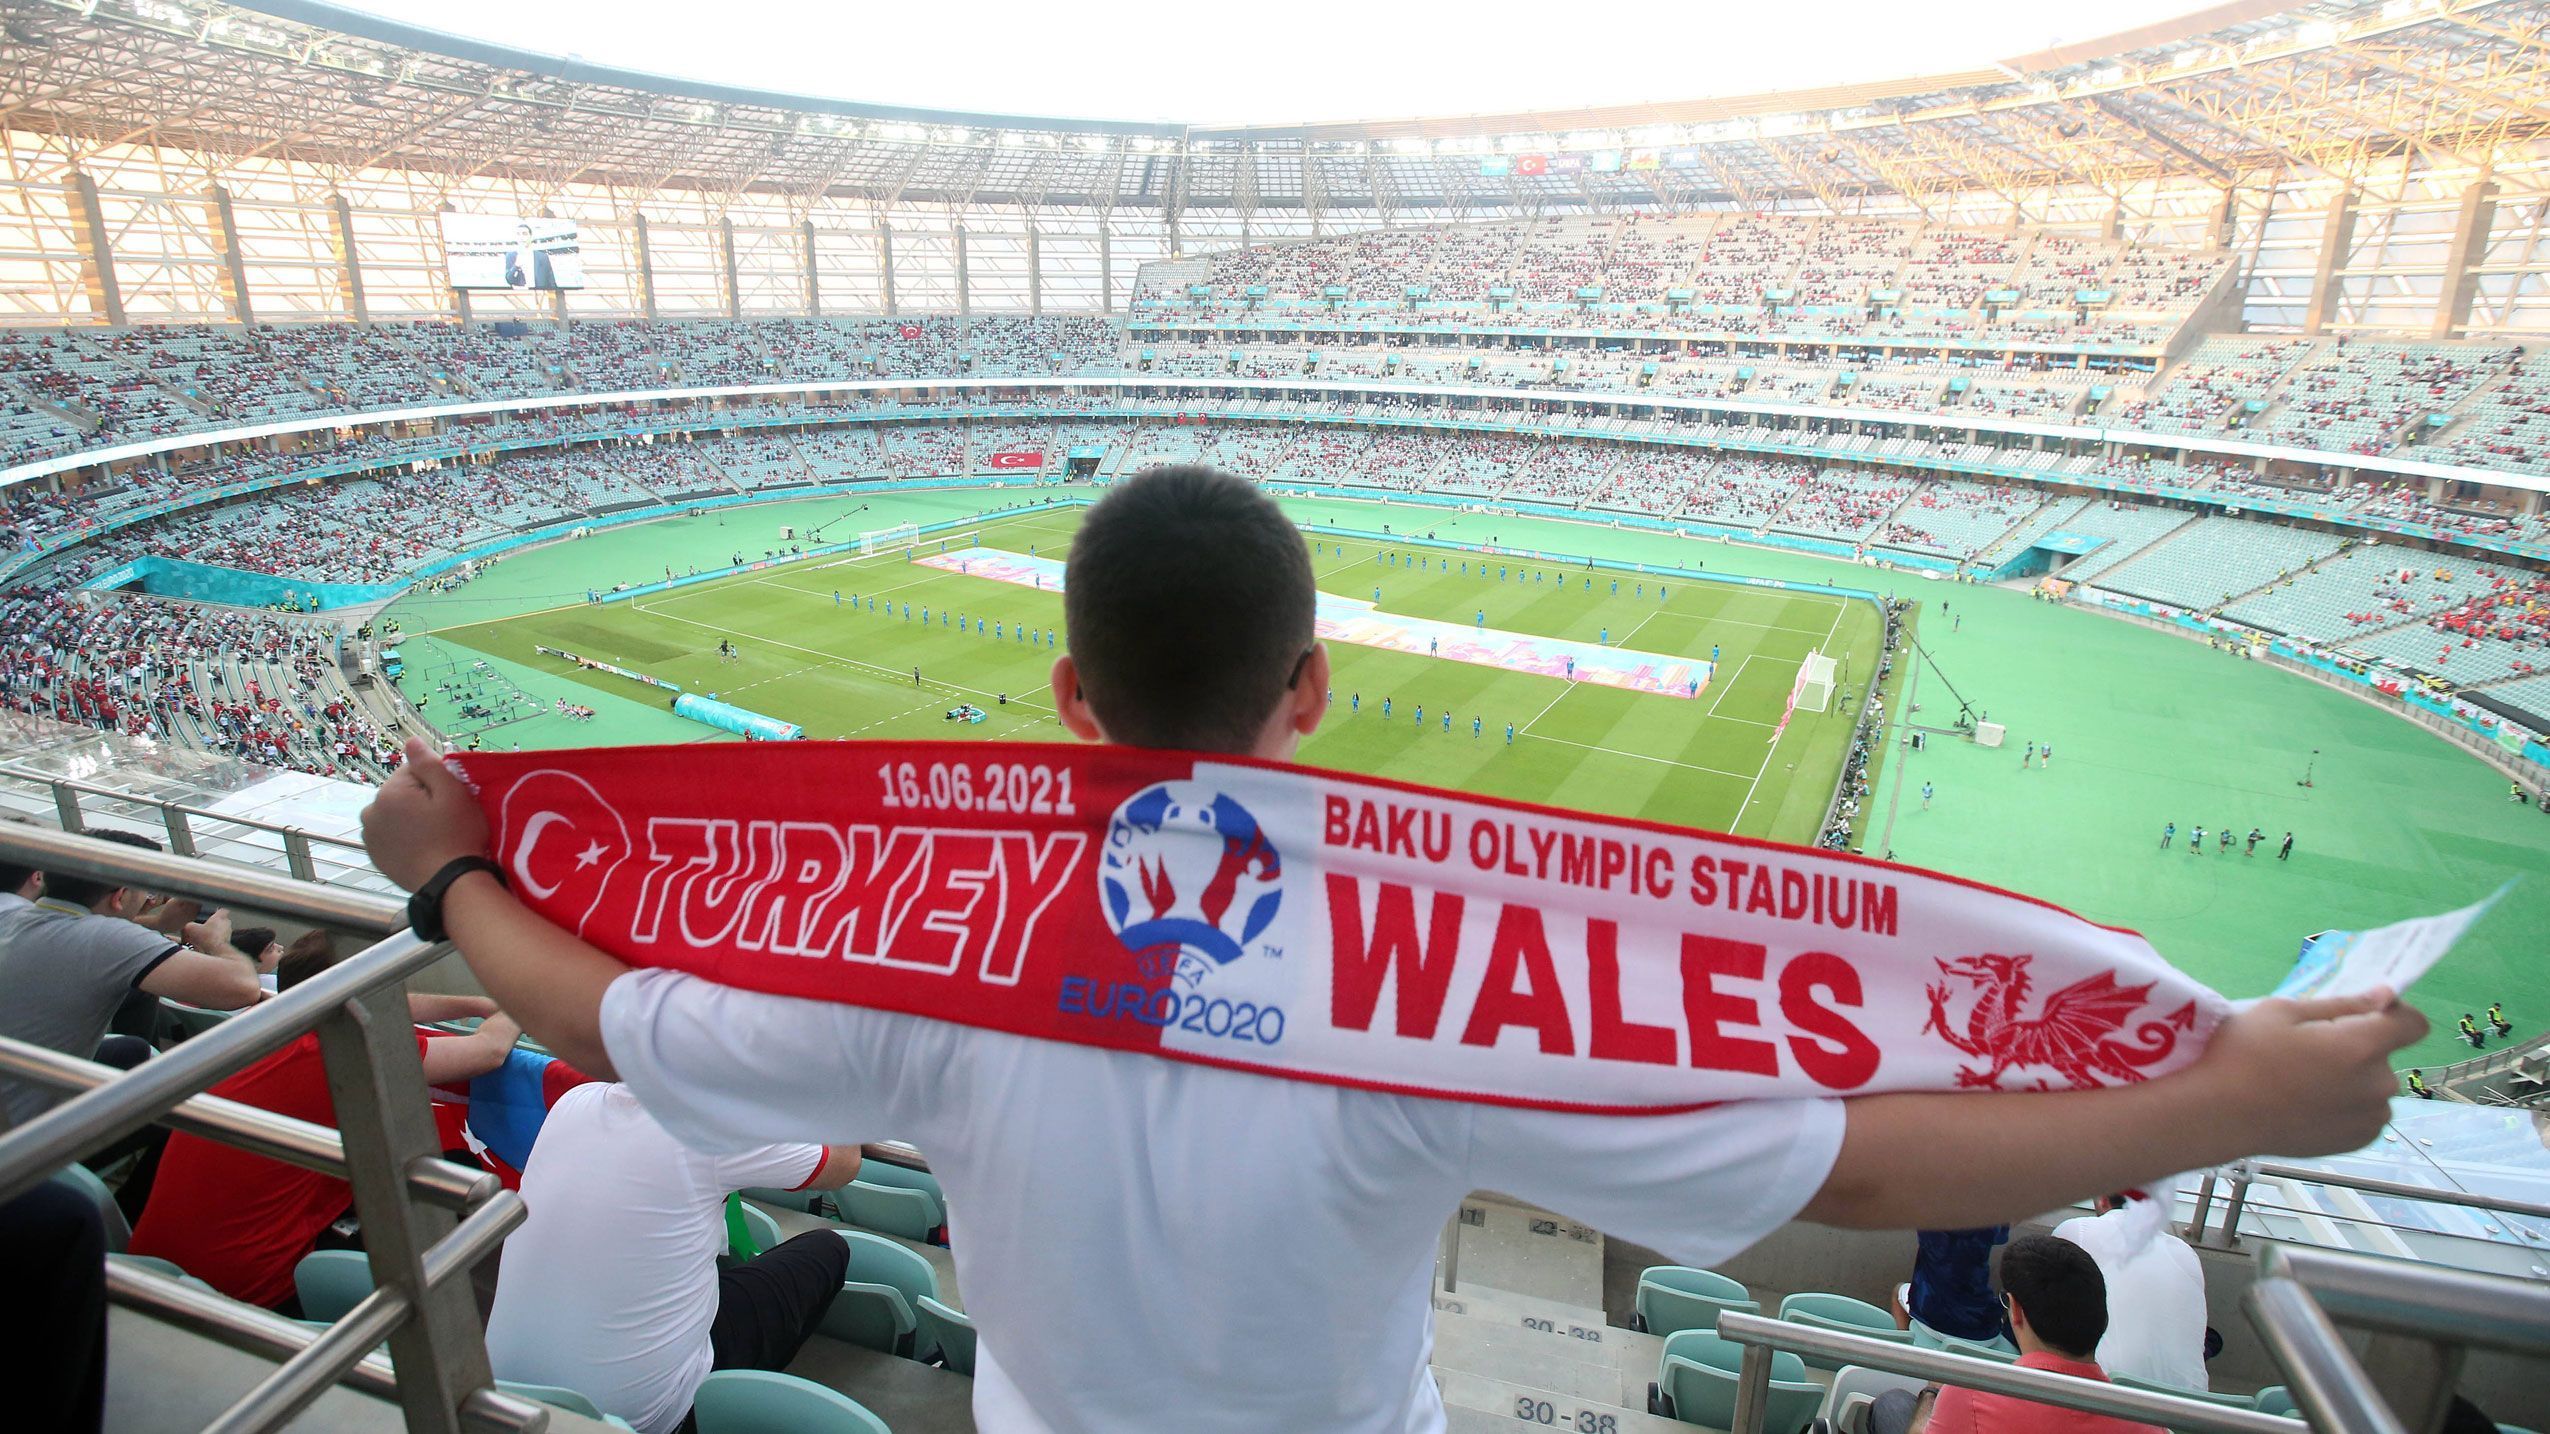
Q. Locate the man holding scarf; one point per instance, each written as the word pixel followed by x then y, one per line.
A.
pixel 1162 1244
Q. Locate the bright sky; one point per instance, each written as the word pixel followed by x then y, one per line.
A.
pixel 1180 60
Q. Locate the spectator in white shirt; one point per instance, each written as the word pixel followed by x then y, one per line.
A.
pixel 614 1288
pixel 2155 1291
pixel 1149 1244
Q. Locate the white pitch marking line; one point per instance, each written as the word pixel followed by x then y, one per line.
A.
pixel 836 659
pixel 1640 756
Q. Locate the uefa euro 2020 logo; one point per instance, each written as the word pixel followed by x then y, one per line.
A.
pixel 1189 880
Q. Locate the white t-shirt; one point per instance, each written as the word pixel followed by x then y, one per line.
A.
pixel 610 1285
pixel 1150 1245
pixel 2155 1295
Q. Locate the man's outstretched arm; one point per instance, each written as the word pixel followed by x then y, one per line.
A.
pixel 547 978
pixel 2296 1078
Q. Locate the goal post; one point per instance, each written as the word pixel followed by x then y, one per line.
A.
pixel 1815 678
pixel 886 540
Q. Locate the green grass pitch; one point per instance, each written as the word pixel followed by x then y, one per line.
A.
pixel 845 672
pixel 2148 727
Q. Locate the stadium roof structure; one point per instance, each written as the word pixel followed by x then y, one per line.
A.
pixel 2336 87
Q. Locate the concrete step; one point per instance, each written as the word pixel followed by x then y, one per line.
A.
pixel 1513 1247
pixel 1483 1402
pixel 1569 1331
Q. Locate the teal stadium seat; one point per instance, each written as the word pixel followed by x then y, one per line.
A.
pixel 764 1230
pixel 1842 1313
pixel 1854 1389
pixel 755 1401
pixel 1672 1298
pixel 2276 1399
pixel 1696 1378
pixel 190 1021
pixel 2227 1401
pixel 330 1282
pixel 111 1215
pixel 880 1295
pixel 951 1330
pixel 560 1397
pixel 1998 1350
pixel 895 1200
pixel 799 1200
pixel 890 1209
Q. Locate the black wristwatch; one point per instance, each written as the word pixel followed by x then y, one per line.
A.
pixel 425 908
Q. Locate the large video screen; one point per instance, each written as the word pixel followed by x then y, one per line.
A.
pixel 505 251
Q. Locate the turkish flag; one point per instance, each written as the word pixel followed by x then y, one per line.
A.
pixel 1531 164
pixel 910 331
pixel 1019 458
pixel 566 842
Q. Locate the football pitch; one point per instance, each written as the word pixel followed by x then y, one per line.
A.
pixel 833 643
pixel 2149 727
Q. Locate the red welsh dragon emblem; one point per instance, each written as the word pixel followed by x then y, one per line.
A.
pixel 2075 1034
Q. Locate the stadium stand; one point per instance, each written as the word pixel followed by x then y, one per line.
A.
pixel 2216 559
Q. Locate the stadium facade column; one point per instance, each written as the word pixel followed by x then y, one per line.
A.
pixel 2337 236
pixel 349 268
pixel 727 276
pixel 964 277
pixel 1107 259
pixel 2478 215
pixel 97 255
pixel 885 262
pixel 234 270
pixel 2226 219
pixel 1035 269
pixel 814 280
pixel 645 275
pixel 2114 228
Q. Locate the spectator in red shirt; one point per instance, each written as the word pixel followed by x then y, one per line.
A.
pixel 240 1222
pixel 2058 1313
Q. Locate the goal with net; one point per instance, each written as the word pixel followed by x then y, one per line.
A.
pixel 1814 691
pixel 887 540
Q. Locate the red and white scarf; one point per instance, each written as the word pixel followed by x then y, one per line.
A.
pixel 1319 926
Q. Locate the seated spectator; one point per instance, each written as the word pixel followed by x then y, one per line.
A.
pixel 2155 1291
pixel 2057 1303
pixel 309 954
pixel 71 957
pixel 1950 1295
pixel 615 1286
pixel 259 945
pixel 240 1221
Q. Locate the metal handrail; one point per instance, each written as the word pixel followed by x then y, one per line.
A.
pixel 2372 1185
pixel 2331 1389
pixel 294 1141
pixel 385 1149
pixel 263 1332
pixel 164 806
pixel 2431 1302
pixel 1761 1334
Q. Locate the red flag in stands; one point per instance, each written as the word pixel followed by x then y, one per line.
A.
pixel 1314 925
pixel 909 331
pixel 1019 458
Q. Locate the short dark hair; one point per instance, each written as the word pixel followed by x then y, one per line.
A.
pixel 2059 1286
pixel 1189 606
pixel 87 891
pixel 310 953
pixel 13 875
pixel 250 940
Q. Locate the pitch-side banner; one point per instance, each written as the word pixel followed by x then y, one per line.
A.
pixel 1318 926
